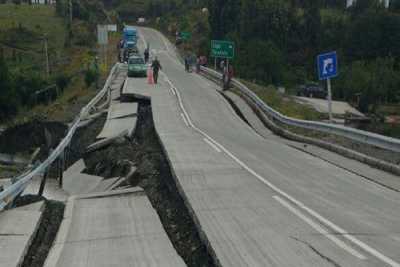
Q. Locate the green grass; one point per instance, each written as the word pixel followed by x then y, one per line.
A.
pixel 285 104
pixel 35 22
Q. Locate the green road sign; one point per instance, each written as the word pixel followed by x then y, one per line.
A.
pixel 224 49
pixel 186 35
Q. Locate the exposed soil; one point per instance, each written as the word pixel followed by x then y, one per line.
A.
pixel 84 137
pixel 153 174
pixel 47 232
pixel 27 137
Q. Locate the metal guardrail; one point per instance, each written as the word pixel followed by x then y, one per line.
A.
pixel 21 182
pixel 360 136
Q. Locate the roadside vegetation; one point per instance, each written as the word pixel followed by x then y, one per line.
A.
pixel 72 51
pixel 284 103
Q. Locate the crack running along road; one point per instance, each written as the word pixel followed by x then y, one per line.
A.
pixel 322 220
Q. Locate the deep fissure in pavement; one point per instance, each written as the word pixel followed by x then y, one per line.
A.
pixel 153 174
pixel 235 108
pixel 50 223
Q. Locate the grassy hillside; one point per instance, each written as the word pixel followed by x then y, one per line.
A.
pixel 23 64
pixel 22 28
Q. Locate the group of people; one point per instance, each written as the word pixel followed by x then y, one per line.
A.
pixel 227 70
pixel 200 61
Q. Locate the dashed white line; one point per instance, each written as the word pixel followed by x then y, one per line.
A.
pixel 320 229
pixel 319 217
pixel 323 220
pixel 212 145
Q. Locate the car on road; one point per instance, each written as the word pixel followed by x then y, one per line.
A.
pixel 312 90
pixel 137 67
pixel 129 52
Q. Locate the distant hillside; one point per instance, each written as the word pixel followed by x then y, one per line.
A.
pixel 22 29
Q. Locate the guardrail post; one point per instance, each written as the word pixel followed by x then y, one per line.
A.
pixel 66 155
pixel 60 171
pixel 43 182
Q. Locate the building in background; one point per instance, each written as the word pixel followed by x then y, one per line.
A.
pixel 43 2
pixel 351 2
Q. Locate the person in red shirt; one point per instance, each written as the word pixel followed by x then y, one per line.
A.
pixel 228 75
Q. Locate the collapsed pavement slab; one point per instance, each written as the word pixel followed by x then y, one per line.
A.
pixel 75 182
pixel 18 228
pixel 118 228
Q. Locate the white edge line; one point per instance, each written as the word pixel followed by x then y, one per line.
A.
pixel 212 145
pixel 320 229
pixel 336 228
pixel 184 119
pixel 325 221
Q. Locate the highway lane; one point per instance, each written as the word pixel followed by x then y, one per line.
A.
pixel 368 212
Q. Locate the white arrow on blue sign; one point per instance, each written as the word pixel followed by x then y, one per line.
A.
pixel 327 66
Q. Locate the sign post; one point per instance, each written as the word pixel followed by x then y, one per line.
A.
pixel 327 69
pixel 102 39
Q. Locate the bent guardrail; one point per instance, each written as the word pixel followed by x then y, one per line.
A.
pixel 360 136
pixel 21 182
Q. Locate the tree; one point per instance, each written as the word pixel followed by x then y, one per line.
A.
pixel 223 17
pixel 8 103
pixel 262 61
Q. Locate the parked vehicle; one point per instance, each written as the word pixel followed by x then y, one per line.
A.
pixel 312 90
pixel 137 67
pixel 129 52
pixel 130 35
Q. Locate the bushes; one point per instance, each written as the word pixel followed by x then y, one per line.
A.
pixel 62 81
pixel 376 81
pixel 262 61
pixel 92 75
pixel 82 36
pixel 8 98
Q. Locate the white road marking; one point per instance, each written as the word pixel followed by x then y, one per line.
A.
pixel 141 38
pixel 212 145
pixel 320 229
pixel 323 220
pixel 184 119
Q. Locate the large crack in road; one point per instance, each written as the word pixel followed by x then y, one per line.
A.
pixel 153 174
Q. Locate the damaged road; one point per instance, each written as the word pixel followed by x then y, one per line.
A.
pixel 143 153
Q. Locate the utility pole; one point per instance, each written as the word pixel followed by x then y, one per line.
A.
pixel 70 12
pixel 47 56
pixel 328 83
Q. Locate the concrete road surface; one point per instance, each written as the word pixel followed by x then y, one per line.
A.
pixel 258 201
pixel 17 231
pixel 118 228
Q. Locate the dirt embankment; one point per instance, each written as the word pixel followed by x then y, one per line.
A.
pixel 27 137
pixel 24 140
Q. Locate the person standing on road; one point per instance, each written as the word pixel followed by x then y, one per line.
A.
pixel 156 66
pixel 146 55
pixel 229 76
pixel 224 73
pixel 187 65
pixel 198 65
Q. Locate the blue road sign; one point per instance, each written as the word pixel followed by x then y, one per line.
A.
pixel 327 66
